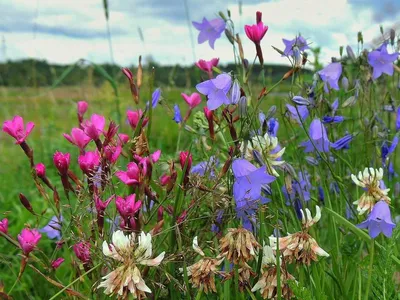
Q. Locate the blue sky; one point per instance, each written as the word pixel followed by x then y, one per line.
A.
pixel 64 31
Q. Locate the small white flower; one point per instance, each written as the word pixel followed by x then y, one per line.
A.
pixel 196 247
pixel 370 180
pixel 307 219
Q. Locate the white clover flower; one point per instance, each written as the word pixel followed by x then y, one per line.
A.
pixel 268 147
pixel 127 277
pixel 370 180
pixel 307 220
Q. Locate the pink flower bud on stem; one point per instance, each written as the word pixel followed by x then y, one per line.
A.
pixel 25 202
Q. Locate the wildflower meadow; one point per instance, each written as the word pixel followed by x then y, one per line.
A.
pixel 233 188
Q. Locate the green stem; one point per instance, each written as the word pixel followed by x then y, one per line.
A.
pixel 371 263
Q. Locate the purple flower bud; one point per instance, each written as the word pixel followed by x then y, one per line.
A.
pixel 350 53
pixel 300 100
pixel 342 143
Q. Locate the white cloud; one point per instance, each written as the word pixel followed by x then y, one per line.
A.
pixel 68 31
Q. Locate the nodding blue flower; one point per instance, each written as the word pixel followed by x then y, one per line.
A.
pixel 334 119
pixel 386 151
pixel 177 114
pixel 53 228
pixel 249 181
pixel 155 97
pixel 342 143
pixel 300 189
pixel 216 90
pixel 312 161
pixel 319 137
pixel 209 30
pixel 297 113
pixel 381 61
pixel 345 83
pixel 321 194
pixel 335 105
pixel 298 42
pixel 206 167
pixel 398 119
pixel 379 221
pixel 330 75
pixel 273 126
pixel 301 101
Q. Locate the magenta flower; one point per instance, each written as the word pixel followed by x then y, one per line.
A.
pixel 53 228
pixel 132 176
pixel 216 90
pixel 207 65
pixel 89 162
pixel 319 137
pixel 4 225
pixel 94 127
pixel 209 30
pixel 256 32
pixel 56 263
pixel 330 75
pixel 379 220
pixel 61 161
pixel 40 170
pixel 134 118
pixel 28 239
pixel 112 153
pixel 193 100
pixel 123 139
pixel 82 251
pixel 381 61
pixel 102 205
pixel 16 129
pixel 128 207
pixel 78 138
pixel 185 158
pixel 298 42
pixel 82 108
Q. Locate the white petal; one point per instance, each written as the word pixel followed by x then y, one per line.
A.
pixel 317 214
pixel 309 217
pixel 196 247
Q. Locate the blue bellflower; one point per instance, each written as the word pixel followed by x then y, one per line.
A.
pixel 381 61
pixel 206 167
pixel 209 30
pixel 300 189
pixel 342 143
pixel 53 228
pixel 330 75
pixel 319 137
pixel 301 113
pixel 216 90
pixel 298 42
pixel 177 114
pixel 379 220
pixel 155 97
pixel 334 119
pixel 249 182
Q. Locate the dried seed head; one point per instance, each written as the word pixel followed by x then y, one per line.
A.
pixel 268 284
pixel 239 245
pixel 203 273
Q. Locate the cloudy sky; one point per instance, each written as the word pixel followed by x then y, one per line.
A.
pixel 63 31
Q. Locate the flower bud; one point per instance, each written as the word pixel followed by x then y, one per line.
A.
pixel 242 106
pixel 82 108
pixel 4 226
pixel 82 251
pixel 185 158
pixel 61 161
pixel 56 263
pixel 40 170
pixel 25 202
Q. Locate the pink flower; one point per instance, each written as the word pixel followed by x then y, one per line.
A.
pixel 28 239
pixel 82 108
pixel 82 251
pixel 78 138
pixel 123 138
pixel 61 161
pixel 207 65
pixel 100 205
pixel 128 207
pixel 183 157
pixel 112 153
pixel 134 118
pixel 193 100
pixel 132 176
pixel 40 170
pixel 4 226
pixel 128 74
pixel 15 128
pixel 89 162
pixel 256 32
pixel 95 126
pixel 56 263
pixel 165 179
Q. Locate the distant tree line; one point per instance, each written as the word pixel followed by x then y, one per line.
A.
pixel 39 73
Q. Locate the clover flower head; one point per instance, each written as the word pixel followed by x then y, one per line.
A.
pixel 370 180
